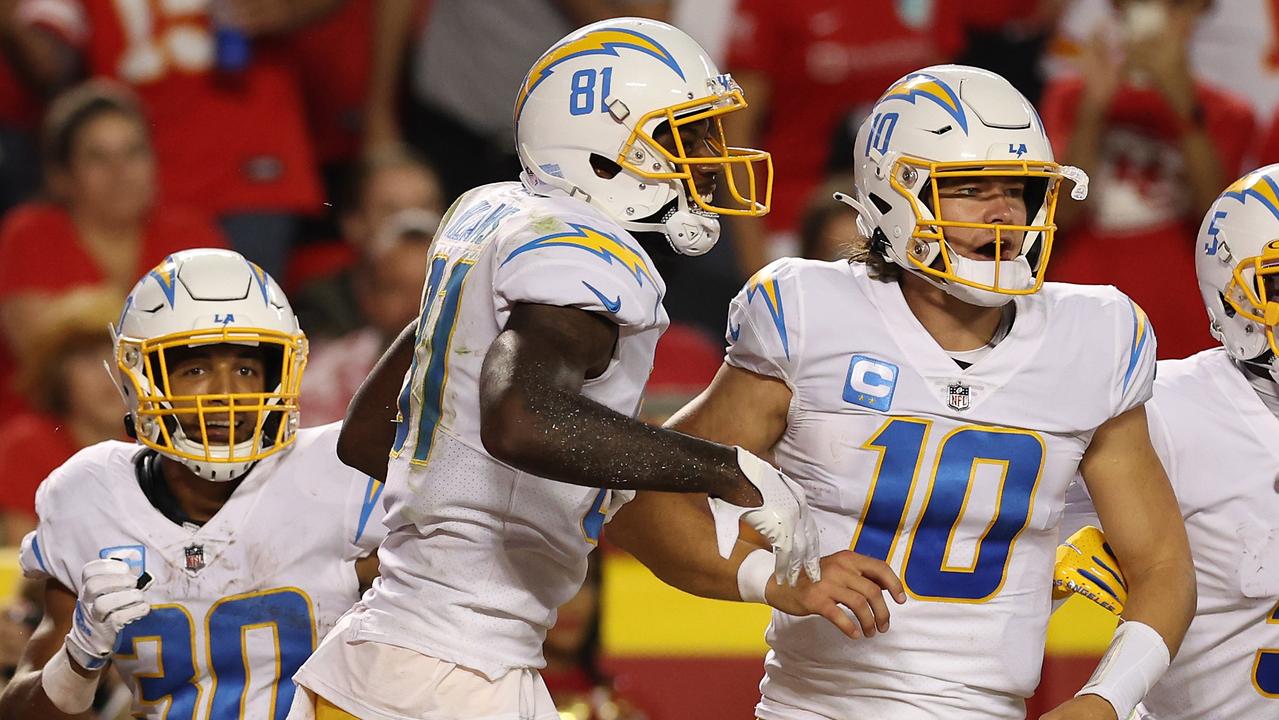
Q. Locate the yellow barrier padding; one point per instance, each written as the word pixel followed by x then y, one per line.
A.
pixel 645 617
pixel 10 573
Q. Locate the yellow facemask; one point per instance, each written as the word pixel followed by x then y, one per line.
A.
pixel 1251 291
pixel 177 425
pixel 929 230
pixel 741 168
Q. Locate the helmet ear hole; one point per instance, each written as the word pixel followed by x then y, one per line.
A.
pixel 603 167
pixel 882 205
pixel 1225 306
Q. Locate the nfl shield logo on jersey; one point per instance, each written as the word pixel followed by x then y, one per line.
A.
pixel 959 396
pixel 195 558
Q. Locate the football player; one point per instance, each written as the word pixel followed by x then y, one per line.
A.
pixel 538 323
pixel 206 563
pixel 936 398
pixel 1213 423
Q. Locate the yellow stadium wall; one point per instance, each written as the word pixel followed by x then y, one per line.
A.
pixel 686 657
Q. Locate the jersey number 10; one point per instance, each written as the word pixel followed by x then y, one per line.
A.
pixel 926 572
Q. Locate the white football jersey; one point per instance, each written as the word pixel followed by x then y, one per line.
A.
pixel 955 477
pixel 480 555
pixel 1220 446
pixel 236 605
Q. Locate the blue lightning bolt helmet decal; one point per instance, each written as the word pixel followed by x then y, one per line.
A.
pixel 604 41
pixel 166 275
pixel 1256 185
pixel 933 89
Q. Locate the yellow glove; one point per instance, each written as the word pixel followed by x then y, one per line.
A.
pixel 1086 566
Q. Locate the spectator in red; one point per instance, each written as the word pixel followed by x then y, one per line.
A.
pixel 382 185
pixel 220 94
pixel 1158 146
pixel 805 66
pixel 388 286
pixel 100 229
pixel 76 405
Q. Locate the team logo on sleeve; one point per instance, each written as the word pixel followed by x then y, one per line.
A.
pixel 870 383
pixel 959 396
pixel 194 555
pixel 135 556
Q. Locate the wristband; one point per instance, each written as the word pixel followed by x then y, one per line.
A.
pixel 1134 662
pixel 68 690
pixel 753 575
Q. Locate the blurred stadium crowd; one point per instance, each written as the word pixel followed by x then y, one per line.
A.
pixel 324 138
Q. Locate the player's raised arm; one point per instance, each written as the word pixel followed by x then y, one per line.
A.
pixel 1144 527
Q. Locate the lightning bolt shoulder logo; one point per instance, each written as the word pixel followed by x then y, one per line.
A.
pixel 604 41
pixel 765 286
pixel 600 244
pixel 1255 185
pixel 933 90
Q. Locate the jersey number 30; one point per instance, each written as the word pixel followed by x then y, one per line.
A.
pixel 926 571
pixel 285 613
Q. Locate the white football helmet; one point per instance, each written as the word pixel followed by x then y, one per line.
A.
pixel 1237 261
pixel 604 91
pixel 206 297
pixel 954 121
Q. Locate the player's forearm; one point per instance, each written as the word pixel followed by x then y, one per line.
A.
pixel 24 698
pixel 560 434
pixel 673 536
pixel 1163 596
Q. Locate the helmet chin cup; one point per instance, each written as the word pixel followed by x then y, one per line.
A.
pixel 691 233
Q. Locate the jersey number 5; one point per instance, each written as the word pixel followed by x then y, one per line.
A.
pixel 927 571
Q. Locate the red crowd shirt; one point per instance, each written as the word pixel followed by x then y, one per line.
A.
pixel 1268 153
pixel 823 59
pixel 1139 234
pixel 18 106
pixel 226 142
pixel 333 59
pixel 40 252
pixel 31 447
pixel 40 247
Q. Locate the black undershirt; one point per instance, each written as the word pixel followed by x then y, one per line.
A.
pixel 151 480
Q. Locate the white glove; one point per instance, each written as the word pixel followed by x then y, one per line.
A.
pixel 783 518
pixel 109 600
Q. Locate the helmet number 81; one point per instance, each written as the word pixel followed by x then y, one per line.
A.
pixel 581 101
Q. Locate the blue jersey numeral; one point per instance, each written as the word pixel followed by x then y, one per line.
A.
pixel 926 572
pixel 286 612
